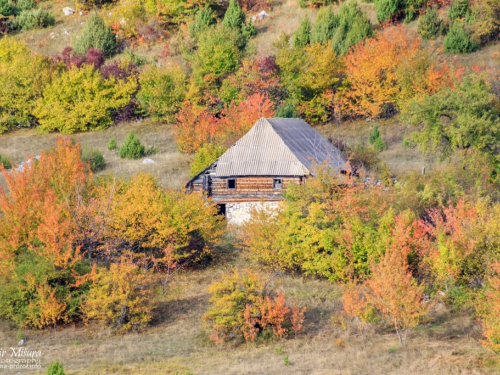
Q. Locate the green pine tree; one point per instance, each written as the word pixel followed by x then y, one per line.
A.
pixel 96 34
pixel 132 147
pixel 302 35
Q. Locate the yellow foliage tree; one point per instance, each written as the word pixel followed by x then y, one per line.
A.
pixel 120 297
pixel 80 99
pixel 24 76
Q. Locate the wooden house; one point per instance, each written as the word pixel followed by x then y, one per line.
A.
pixel 257 169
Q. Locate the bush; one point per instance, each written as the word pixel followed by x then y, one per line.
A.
pixel 96 34
pixel 26 4
pixel 459 39
pixel 33 19
pixel 81 99
pixel 112 144
pixel 162 91
pixel 132 147
pixel 94 158
pixel 8 9
pixel 205 156
pixel 242 308
pixel 5 162
pixel 458 10
pixel 55 368
pixel 429 24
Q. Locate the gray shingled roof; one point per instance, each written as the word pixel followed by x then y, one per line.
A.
pixel 279 147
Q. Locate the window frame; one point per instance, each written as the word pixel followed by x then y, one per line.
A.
pixel 276 184
pixel 231 180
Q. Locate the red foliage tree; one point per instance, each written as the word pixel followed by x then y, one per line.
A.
pixel 197 126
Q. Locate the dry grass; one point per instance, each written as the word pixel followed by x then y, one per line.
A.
pixel 177 343
pixel 171 168
pixel 285 17
pixel 399 160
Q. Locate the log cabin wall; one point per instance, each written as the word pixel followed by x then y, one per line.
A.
pixel 250 188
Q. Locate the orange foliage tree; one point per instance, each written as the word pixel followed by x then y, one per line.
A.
pixel 450 240
pixel 392 291
pixel 197 126
pixel 40 264
pixel 388 70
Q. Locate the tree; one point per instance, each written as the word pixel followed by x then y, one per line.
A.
pixel 312 77
pixel 174 12
pixel 196 126
pixel 392 291
pixel 80 99
pixel 460 39
pixel 387 9
pixel 464 118
pixel 96 34
pixel 162 90
pixel 429 24
pixel 301 37
pixel 205 156
pixel 450 243
pixel 353 28
pixel 458 10
pixel 379 83
pixel 121 297
pixel 25 78
pixel 204 19
pixel 325 25
pixel 218 53
pixel 234 16
pixel 42 270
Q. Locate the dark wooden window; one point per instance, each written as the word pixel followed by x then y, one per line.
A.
pixel 231 183
pixel 277 183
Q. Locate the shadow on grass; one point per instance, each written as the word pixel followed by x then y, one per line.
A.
pixel 174 310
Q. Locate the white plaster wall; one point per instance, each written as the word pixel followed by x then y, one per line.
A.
pixel 239 213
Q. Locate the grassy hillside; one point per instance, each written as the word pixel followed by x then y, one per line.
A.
pixel 176 343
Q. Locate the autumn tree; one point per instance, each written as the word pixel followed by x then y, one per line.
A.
pixel 41 266
pixel 25 76
pixel 121 296
pixel 258 75
pixel 197 126
pixel 378 83
pixel 146 219
pixel 392 291
pixel 312 76
pixel 464 118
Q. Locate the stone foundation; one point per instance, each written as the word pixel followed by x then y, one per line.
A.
pixel 239 213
